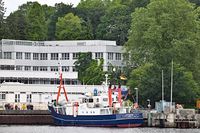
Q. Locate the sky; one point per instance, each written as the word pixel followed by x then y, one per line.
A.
pixel 12 5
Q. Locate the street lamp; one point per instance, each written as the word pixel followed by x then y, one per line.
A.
pixel 136 95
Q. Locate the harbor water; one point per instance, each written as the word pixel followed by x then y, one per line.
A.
pixel 58 129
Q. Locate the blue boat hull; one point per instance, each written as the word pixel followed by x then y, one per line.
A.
pixel 113 120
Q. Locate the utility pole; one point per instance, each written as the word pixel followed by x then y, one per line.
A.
pixel 171 87
pixel 162 91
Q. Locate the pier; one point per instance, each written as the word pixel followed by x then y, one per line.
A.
pixel 182 118
pixel 25 117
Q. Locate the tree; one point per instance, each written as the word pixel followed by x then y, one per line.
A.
pixel 16 26
pixel 61 10
pixel 197 2
pixel 91 11
pixel 68 27
pixel 94 73
pixel 90 71
pixel 82 63
pixel 36 24
pixel 2 11
pixel 115 24
pixel 164 31
pixel 148 79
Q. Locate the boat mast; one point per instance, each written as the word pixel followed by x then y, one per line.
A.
pixel 110 96
pixel 61 86
pixel 119 94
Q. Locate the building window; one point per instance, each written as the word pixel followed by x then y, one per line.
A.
pixel 2 96
pixel 118 56
pixel 19 55
pixel 35 68
pixel 75 56
pixel 54 68
pixel 19 67
pixel 43 68
pixel 65 68
pixel 35 56
pixel 74 69
pixel 27 68
pixel 7 67
pixel 110 56
pixel 54 56
pixel 27 56
pixel 99 55
pixel 43 56
pixel 7 55
pixel 29 98
pixel 17 98
pixel 65 56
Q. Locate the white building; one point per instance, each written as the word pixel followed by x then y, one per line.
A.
pixel 37 62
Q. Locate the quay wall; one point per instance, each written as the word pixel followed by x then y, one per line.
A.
pixel 25 117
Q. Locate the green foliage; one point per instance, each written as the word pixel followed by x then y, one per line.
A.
pixel 115 24
pixel 36 25
pixel 91 11
pixel 90 71
pixel 2 11
pixel 71 27
pixel 68 27
pixel 16 26
pixel 164 31
pixel 82 63
pixel 197 2
pixel 94 73
pixel 148 79
pixel 61 10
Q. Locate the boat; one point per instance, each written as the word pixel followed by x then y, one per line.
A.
pixel 97 109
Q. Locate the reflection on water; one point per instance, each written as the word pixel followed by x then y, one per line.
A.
pixel 58 129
